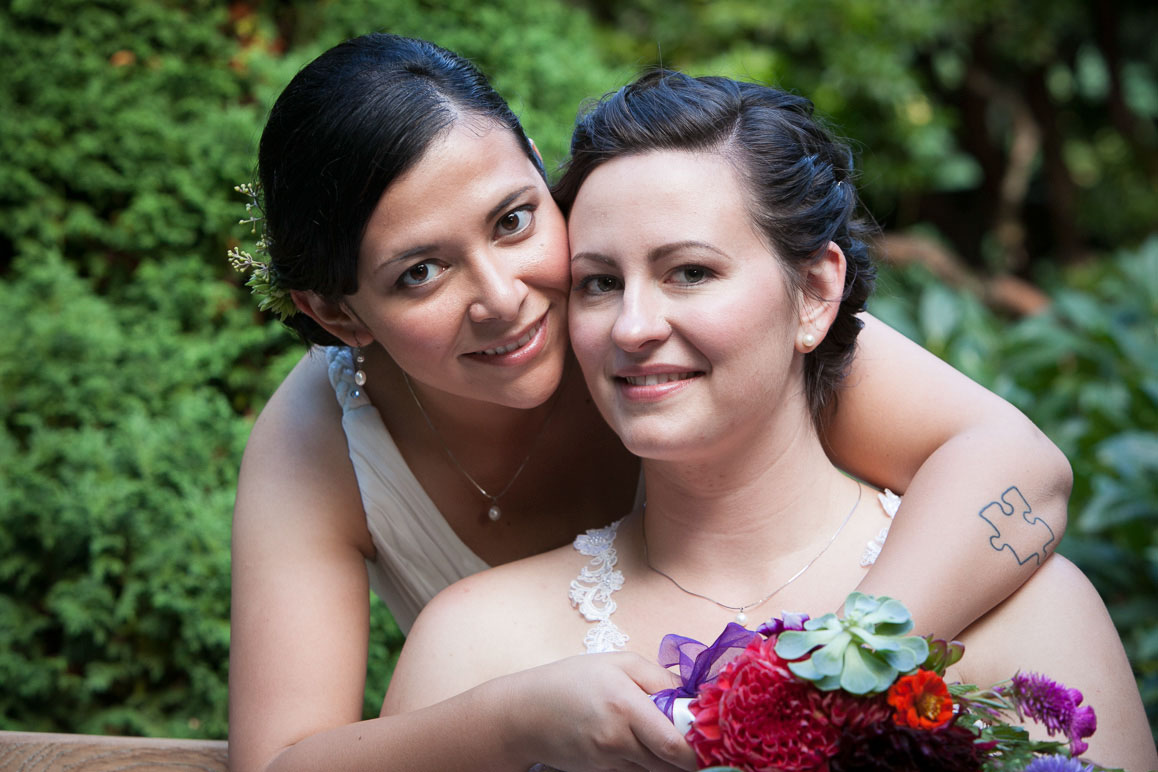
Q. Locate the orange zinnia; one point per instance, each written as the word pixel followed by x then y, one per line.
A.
pixel 921 701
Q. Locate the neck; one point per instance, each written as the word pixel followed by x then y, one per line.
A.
pixel 770 504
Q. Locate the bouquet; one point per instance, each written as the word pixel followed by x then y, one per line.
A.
pixel 859 694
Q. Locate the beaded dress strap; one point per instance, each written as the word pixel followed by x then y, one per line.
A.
pixel 340 366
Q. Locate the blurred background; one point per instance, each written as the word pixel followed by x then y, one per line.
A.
pixel 1008 149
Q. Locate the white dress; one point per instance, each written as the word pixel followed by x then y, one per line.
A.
pixel 417 552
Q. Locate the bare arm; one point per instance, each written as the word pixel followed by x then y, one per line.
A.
pixel 300 610
pixel 910 422
pixel 301 621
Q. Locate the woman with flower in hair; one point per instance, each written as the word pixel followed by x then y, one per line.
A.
pixel 718 271
pixel 440 427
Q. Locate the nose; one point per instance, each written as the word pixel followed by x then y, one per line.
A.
pixel 498 293
pixel 641 320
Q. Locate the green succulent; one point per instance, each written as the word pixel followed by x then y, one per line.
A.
pixel 862 653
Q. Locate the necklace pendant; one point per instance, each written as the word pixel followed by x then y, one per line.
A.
pixel 494 513
pixel 741 618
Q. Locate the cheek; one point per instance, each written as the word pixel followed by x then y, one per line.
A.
pixel 552 257
pixel 422 335
pixel 590 331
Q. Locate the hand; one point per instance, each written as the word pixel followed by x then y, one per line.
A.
pixel 592 713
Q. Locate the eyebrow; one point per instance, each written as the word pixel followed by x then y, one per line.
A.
pixel 422 249
pixel 654 254
pixel 506 202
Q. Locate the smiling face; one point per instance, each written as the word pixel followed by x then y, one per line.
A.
pixel 681 317
pixel 462 271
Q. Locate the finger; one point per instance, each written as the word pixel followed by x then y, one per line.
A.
pixel 666 750
pixel 649 675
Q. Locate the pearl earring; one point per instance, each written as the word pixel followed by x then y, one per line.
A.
pixel 808 339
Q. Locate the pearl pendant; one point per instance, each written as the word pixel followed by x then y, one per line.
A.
pixel 360 377
pixel 494 513
pixel 741 618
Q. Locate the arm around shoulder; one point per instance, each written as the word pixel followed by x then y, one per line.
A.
pixel 910 422
pixel 587 711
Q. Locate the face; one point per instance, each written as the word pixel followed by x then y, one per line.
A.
pixel 681 317
pixel 463 273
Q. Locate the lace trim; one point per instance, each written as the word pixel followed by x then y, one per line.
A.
pixel 591 590
pixel 890 502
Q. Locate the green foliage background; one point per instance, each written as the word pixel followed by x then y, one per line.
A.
pixel 132 363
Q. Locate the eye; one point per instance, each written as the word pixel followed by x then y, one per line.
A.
pixel 515 222
pixel 420 273
pixel 599 284
pixel 691 274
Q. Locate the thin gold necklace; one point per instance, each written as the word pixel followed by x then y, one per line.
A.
pixel 741 615
pixel 494 512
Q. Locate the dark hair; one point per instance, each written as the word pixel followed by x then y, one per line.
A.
pixel 799 179
pixel 348 125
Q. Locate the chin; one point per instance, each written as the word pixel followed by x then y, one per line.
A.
pixel 660 443
pixel 533 388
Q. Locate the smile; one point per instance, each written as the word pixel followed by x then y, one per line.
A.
pixel 655 380
pixel 523 340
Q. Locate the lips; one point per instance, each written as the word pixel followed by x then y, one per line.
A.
pixel 523 340
pixel 657 378
pixel 645 387
pixel 516 351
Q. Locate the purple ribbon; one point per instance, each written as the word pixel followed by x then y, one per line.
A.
pixel 698 664
pixel 777 625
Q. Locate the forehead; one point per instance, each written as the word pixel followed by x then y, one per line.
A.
pixel 661 196
pixel 465 171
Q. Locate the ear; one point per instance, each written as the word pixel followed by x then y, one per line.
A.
pixel 334 318
pixel 822 292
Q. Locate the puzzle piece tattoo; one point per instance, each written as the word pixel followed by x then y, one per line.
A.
pixel 1028 538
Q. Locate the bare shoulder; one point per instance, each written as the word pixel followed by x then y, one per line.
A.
pixel 296 467
pixel 503 620
pixel 1057 598
pixel 1057 624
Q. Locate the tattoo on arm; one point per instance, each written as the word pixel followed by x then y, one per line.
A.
pixel 1016 529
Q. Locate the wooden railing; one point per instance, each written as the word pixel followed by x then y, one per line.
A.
pixel 39 752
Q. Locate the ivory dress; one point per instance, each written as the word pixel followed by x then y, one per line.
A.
pixel 418 553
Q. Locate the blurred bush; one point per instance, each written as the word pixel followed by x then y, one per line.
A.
pixel 1086 371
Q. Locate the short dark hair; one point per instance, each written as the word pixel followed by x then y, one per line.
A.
pixel 346 127
pixel 797 174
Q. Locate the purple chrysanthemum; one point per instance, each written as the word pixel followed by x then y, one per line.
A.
pixel 1057 764
pixel 1055 707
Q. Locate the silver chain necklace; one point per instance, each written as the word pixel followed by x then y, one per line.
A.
pixel 494 512
pixel 741 616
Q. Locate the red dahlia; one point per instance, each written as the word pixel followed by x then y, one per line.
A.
pixel 760 717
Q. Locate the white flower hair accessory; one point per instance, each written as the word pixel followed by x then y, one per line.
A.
pixel 262 280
